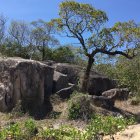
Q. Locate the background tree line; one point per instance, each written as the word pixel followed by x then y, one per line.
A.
pixel 35 41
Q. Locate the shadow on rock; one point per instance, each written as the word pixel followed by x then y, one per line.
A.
pixel 38 112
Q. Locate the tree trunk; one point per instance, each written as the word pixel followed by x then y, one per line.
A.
pixel 85 79
pixel 43 52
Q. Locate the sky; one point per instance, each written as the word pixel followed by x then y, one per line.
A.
pixel 31 10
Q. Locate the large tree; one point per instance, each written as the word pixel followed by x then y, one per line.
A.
pixel 85 23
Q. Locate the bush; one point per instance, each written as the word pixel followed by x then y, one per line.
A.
pixel 30 128
pixel 13 131
pixel 79 107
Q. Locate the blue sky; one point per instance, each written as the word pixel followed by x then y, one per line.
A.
pixel 30 10
pixel 117 10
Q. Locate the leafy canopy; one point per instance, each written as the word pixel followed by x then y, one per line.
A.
pixel 85 23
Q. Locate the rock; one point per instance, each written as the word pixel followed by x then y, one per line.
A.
pixel 103 102
pixel 49 62
pixel 90 105
pixel 23 80
pixel 117 93
pixel 5 98
pixel 72 71
pixel 66 92
pixel 60 81
pixel 98 83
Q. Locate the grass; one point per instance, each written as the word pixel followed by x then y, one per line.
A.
pixel 98 125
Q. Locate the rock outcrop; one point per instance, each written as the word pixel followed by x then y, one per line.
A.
pixel 97 83
pixel 33 82
pixel 72 71
pixel 26 80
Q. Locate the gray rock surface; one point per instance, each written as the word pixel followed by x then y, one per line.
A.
pixel 103 102
pixel 98 83
pixel 72 71
pixel 60 81
pixel 24 80
pixel 66 92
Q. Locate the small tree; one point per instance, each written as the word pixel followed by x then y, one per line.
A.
pixel 63 54
pixel 2 28
pixel 42 35
pixel 85 23
pixel 19 36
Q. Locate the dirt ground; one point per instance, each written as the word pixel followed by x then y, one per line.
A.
pixel 131 133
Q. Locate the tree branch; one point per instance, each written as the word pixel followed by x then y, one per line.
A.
pixel 116 52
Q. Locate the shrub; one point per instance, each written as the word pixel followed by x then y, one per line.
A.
pixel 79 107
pixel 12 131
pixel 30 128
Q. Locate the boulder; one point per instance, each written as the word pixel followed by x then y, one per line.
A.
pixel 60 81
pixel 98 83
pixel 101 101
pixel 89 105
pixel 72 71
pixel 23 80
pixel 66 92
pixel 117 93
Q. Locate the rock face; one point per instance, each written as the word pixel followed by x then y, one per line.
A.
pixel 97 82
pixel 117 93
pixel 66 92
pixel 103 102
pixel 72 71
pixel 60 81
pixel 24 80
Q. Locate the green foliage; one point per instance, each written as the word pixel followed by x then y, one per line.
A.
pixel 13 131
pixel 30 126
pixel 98 125
pixel 63 54
pixel 128 74
pixel 74 111
pixel 19 131
pixel 108 125
pixel 107 70
pixel 64 133
pixel 79 107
